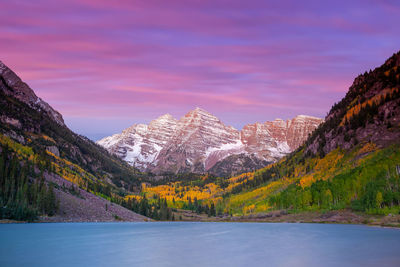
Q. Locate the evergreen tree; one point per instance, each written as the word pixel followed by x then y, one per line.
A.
pixel 190 205
pixel 51 203
pixel 212 210
pixel 144 206
pixel 2 166
pixel 379 199
pixel 207 210
pixel 41 200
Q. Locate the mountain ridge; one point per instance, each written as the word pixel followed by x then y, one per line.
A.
pixel 40 154
pixel 13 85
pixel 198 140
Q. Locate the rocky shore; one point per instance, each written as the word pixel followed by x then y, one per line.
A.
pixel 282 216
pixel 78 205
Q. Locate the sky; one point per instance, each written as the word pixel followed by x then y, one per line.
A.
pixel 106 65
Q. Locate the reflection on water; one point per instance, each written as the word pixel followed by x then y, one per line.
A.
pixel 197 244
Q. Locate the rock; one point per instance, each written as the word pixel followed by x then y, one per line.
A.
pixel 140 144
pixel 236 164
pixel 54 150
pixel 84 206
pixel 14 122
pixel 15 136
pixel 11 84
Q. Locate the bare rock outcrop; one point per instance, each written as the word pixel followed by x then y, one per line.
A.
pixel 11 84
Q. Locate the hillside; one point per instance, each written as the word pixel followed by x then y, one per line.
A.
pixel 37 149
pixel 29 120
pixel 350 162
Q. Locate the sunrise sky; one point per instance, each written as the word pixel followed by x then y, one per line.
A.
pixel 108 64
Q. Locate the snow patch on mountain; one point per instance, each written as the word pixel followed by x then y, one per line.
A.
pixel 235 146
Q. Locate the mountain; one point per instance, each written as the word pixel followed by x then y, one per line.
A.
pixel 140 144
pixel 348 169
pixel 40 154
pixel 28 119
pixel 236 164
pixel 274 139
pixel 351 161
pixel 199 140
pixel 368 113
pixel 12 85
pixel 198 137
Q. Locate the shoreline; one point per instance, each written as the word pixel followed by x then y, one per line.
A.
pixel 331 217
pixel 238 222
pixel 282 216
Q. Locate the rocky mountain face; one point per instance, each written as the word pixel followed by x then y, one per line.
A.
pixel 236 164
pixel 199 140
pixel 370 112
pixel 12 85
pixel 266 143
pixel 140 144
pixel 32 122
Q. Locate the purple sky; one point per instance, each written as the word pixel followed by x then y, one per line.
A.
pixel 108 64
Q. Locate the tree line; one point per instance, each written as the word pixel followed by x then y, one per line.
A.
pixel 199 208
pixel 157 209
pixel 24 195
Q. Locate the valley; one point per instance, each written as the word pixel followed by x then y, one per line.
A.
pixel 350 162
pixel 199 133
pixel 343 169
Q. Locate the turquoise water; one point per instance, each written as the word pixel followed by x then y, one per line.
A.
pixel 197 244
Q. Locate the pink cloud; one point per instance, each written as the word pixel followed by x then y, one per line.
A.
pixel 244 61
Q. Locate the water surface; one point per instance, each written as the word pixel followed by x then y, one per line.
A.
pixel 197 244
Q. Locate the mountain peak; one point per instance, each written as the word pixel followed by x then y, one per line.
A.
pixel 164 118
pixel 199 115
pixel 199 140
pixel 198 110
pixel 12 85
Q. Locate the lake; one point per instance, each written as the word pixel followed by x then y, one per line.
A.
pixel 197 244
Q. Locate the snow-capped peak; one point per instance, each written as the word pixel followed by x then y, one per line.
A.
pixel 199 140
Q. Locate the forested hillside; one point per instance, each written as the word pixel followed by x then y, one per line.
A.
pixel 35 129
pixel 36 145
pixel 23 192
